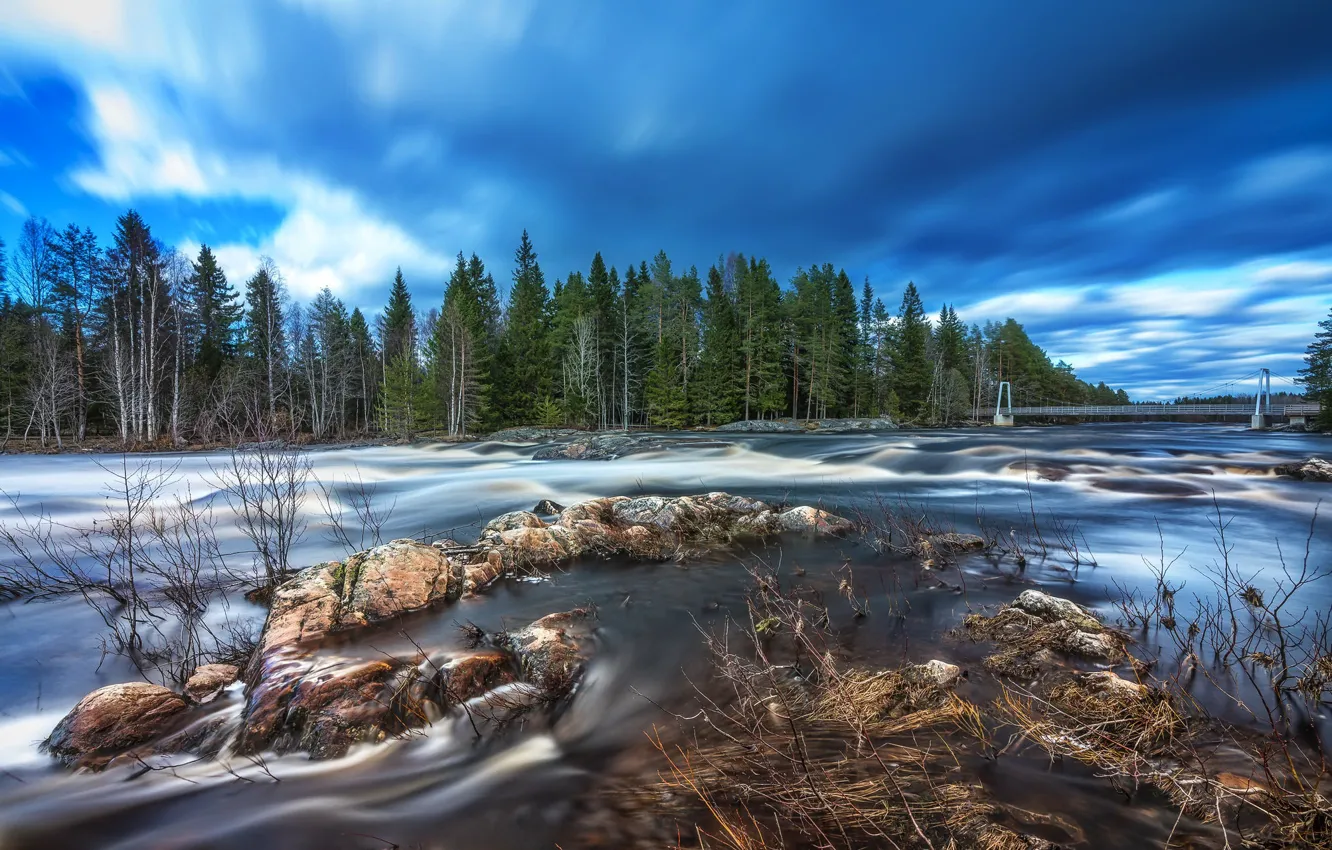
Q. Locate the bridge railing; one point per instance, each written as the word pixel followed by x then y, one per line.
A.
pixel 1164 410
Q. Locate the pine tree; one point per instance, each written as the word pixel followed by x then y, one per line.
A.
pixel 912 355
pixel 217 310
pixel 399 319
pixel 718 388
pixel 523 365
pixel 1316 376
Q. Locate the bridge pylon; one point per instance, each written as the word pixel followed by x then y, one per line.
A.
pixel 1262 403
pixel 1003 416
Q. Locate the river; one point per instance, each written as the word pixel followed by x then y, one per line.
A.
pixel 1124 494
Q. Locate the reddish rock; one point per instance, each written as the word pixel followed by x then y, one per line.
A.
pixel 210 680
pixel 550 650
pixel 112 720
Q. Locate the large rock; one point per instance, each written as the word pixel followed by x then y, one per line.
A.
pixel 764 426
pixel 368 587
pixel 1313 469
pixel 531 434
pixel 300 698
pixel 113 720
pixel 603 447
pixel 807 520
pixel 852 426
pixel 551 650
pixel 1048 607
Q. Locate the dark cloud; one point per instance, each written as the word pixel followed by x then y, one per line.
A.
pixel 973 146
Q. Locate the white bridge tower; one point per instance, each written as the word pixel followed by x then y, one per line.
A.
pixel 1262 403
pixel 1003 416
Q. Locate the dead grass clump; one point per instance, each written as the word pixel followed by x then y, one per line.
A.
pixel 1026 642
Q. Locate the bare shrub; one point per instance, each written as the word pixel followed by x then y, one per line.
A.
pixel 266 488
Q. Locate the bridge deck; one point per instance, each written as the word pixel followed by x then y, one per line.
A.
pixel 1164 410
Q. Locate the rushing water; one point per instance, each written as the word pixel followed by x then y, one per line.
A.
pixel 1124 493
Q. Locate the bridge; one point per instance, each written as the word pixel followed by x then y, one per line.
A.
pixel 1262 413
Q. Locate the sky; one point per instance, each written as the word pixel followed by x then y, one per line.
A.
pixel 1146 186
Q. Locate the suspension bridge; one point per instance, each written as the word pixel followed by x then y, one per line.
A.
pixel 1261 413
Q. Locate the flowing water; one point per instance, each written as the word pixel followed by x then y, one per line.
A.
pixel 1122 494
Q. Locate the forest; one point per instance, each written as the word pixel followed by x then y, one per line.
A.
pixel 134 342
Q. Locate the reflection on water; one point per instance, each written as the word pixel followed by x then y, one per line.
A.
pixel 1116 485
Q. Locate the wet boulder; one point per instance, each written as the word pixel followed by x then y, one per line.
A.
pixel 112 720
pixel 209 680
pixel 510 521
pixel 368 587
pixel 933 673
pixel 1313 469
pixel 1047 607
pixel 551 651
pixel 546 507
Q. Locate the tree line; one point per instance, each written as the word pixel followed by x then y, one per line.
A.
pixel 136 341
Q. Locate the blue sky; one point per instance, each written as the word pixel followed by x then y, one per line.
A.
pixel 1147 186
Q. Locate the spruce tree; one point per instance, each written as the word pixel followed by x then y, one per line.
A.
pixel 217 310
pixel 1317 372
pixel 399 321
pixel 524 368
pixel 912 354
pixel 718 388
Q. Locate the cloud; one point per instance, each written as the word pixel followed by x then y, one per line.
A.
pixel 12 204
pixel 1086 169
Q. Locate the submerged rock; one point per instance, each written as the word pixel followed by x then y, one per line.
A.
pixel 210 680
pixel 112 720
pixel 1313 469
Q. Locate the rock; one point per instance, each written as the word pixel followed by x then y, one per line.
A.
pixel 935 673
pixel 952 541
pixel 602 447
pixel 851 426
pixel 371 586
pixel 1049 608
pixel 807 520
pixel 1099 645
pixel 113 720
pixel 510 521
pixel 763 426
pixel 1313 469
pixel 546 507
pixel 210 680
pixel 1107 682
pixel 329 711
pixel 550 649
pixel 531 434
pixel 296 699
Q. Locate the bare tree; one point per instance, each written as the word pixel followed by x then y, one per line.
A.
pixel 34 263
pixel 266 487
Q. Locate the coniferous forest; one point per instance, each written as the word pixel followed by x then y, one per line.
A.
pixel 129 340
